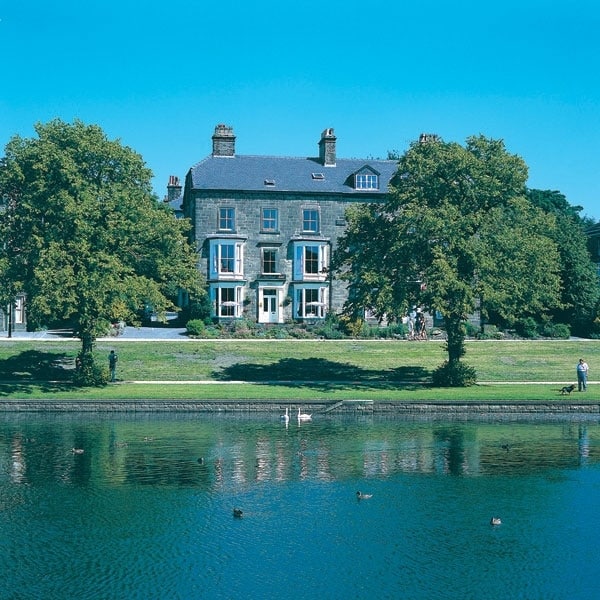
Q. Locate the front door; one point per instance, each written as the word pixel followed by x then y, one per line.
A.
pixel 269 305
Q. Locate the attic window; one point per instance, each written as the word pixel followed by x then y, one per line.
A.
pixel 366 182
pixel 318 176
pixel 270 182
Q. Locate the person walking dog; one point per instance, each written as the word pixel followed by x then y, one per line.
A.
pixel 582 373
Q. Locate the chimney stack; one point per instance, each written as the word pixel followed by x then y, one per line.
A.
pixel 223 141
pixel 327 148
pixel 173 189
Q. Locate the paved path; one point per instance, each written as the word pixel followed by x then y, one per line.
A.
pixel 138 334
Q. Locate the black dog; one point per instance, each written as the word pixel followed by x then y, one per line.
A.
pixel 567 389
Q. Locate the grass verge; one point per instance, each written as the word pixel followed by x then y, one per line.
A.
pixel 297 370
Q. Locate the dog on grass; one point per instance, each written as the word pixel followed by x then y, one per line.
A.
pixel 567 389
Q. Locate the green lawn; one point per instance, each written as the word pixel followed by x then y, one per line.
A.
pixel 299 370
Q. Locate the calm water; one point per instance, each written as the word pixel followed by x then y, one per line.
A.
pixel 146 510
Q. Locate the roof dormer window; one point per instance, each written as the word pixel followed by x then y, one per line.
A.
pixel 366 181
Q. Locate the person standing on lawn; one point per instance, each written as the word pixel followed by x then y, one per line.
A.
pixel 582 373
pixel 112 365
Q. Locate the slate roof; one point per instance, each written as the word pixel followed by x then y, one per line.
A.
pixel 287 174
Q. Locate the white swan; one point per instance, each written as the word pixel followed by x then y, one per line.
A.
pixel 303 416
pixel 361 496
pixel 285 418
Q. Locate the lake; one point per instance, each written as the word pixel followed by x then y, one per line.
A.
pixel 146 509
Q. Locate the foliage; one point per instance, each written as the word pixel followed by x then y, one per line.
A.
pixel 580 290
pixel 85 237
pixel 454 374
pixel 88 372
pixel 330 328
pixel 195 328
pixel 527 328
pixel 455 232
pixel 556 330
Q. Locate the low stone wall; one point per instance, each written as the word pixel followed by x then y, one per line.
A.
pixel 345 407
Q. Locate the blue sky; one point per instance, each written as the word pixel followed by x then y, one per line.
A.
pixel 160 75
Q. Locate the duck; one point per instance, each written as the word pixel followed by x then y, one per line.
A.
pixel 238 513
pixel 77 450
pixel 361 496
pixel 495 521
pixel 303 416
pixel 285 418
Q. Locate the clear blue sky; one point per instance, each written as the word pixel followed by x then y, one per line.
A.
pixel 160 75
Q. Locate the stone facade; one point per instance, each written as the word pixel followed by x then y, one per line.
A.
pixel 266 227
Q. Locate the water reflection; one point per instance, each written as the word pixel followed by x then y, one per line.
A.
pixel 145 511
pixel 217 452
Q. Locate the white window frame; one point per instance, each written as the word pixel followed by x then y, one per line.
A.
pixel 275 270
pixel 19 310
pixel 228 300
pixel 310 225
pixel 310 302
pixel 220 258
pixel 226 218
pixel 271 219
pixel 366 181
pixel 300 260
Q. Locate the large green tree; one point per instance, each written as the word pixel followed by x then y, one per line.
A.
pixel 580 290
pixel 456 233
pixel 85 238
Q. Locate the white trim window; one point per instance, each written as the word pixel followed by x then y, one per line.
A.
pixel 311 302
pixel 227 300
pixel 269 261
pixel 366 181
pixel 311 261
pixel 226 259
pixel 270 219
pixel 226 218
pixel 19 310
pixel 310 220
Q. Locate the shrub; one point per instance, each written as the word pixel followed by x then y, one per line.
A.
pixel 527 328
pixel 556 330
pixel 351 327
pixel 390 331
pixel 88 373
pixel 490 332
pixel 196 328
pixel 454 374
pixel 471 330
pixel 330 329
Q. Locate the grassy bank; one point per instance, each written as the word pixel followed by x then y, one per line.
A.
pixel 299 370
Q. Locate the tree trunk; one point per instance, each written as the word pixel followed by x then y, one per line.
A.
pixel 455 345
pixel 87 372
pixel 87 343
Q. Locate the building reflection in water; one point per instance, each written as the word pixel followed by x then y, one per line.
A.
pixel 237 452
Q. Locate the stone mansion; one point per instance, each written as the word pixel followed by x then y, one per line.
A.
pixel 266 226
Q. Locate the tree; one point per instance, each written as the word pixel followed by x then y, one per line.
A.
pixel 580 291
pixel 455 233
pixel 86 238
